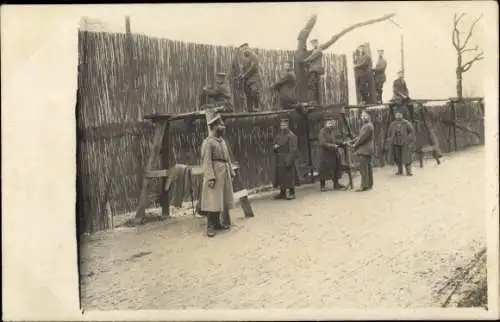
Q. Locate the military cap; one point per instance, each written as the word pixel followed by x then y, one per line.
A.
pixel 284 121
pixel 221 74
pixel 244 45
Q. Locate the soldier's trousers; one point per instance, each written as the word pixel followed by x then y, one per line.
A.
pixel 379 86
pixel 287 103
pixel 363 88
pixel 366 171
pixel 252 95
pixel 398 158
pixel 216 220
pixel 314 87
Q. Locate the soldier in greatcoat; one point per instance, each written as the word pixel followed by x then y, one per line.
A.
pixel 400 142
pixel 331 141
pixel 364 147
pixel 285 147
pixel 217 186
pixel 379 75
pixel 251 78
pixel 285 86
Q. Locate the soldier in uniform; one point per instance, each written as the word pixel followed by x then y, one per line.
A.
pixel 400 141
pixel 379 75
pixel 285 87
pixel 251 78
pixel 364 147
pixel 315 70
pixel 219 95
pixel 286 151
pixel 217 186
pixel 330 141
pixel 400 93
pixel 363 69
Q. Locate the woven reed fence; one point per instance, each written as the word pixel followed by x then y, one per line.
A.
pixel 113 145
pixel 124 77
pixel 250 138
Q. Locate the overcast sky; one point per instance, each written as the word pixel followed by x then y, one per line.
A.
pixel 430 59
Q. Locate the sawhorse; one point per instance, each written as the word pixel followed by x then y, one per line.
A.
pixel 161 148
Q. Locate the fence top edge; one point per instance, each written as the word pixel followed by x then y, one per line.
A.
pixel 327 108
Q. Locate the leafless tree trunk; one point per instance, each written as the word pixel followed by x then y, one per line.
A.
pixel 461 48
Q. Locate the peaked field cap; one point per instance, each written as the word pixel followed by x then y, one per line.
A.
pixel 222 74
pixel 244 45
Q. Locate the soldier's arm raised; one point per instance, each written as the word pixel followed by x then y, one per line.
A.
pixel 253 64
pixel 313 55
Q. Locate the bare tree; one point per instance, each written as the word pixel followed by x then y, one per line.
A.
pixel 302 53
pixel 461 48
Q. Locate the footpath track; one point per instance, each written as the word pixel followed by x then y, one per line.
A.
pixel 392 247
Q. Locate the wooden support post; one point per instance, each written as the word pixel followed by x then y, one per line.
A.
pixel 154 152
pixel 165 153
pixel 454 129
pixel 347 148
pixel 305 121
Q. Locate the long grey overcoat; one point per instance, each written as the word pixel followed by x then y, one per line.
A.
pixel 406 137
pixel 286 173
pixel 216 164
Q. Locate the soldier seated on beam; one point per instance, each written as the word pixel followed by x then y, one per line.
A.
pixel 285 87
pixel 217 95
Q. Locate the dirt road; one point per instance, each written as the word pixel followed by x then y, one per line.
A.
pixel 392 247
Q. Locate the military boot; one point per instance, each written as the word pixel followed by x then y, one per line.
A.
pixel 408 170
pixel 211 218
pixel 400 170
pixel 281 195
pixel 322 185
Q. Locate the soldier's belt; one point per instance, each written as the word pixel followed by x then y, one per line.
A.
pixel 220 160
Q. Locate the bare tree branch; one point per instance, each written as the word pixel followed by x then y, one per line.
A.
pixel 305 32
pixel 465 67
pixel 469 49
pixel 469 34
pixel 455 36
pixel 457 20
pixel 355 26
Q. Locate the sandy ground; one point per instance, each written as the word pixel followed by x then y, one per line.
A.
pixel 392 247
